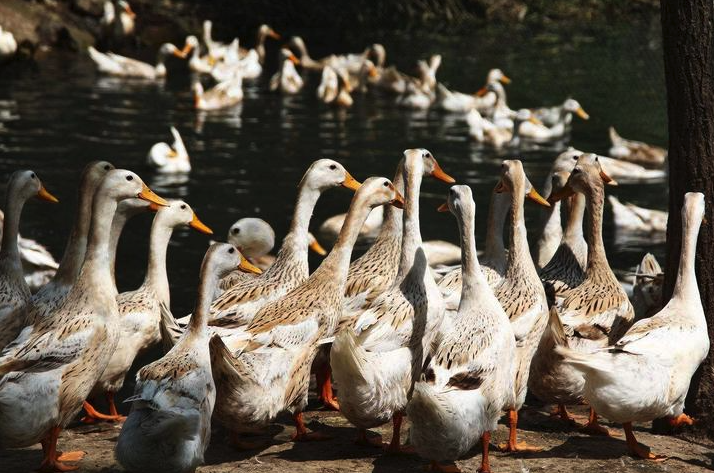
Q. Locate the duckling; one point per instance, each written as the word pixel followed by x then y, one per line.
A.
pixel 631 218
pixel 287 78
pixel 646 374
pixel 468 381
pixel 170 159
pixel 47 372
pixel 636 151
pixel 169 427
pixel 14 292
pixel 222 95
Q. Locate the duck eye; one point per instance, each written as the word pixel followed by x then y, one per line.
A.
pixel 236 231
pixel 333 167
pixel 183 206
pixel 231 250
pixel 129 178
pixel 107 168
pixel 386 183
pixel 32 176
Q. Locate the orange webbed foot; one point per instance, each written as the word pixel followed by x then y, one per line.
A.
pixel 518 447
pixel 331 404
pixel 71 456
pixel 680 420
pixel 644 452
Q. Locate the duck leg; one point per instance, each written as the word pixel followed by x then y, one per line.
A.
pixel 323 376
pixel 94 415
pixel 395 445
pixel 301 434
pixel 513 445
pixel 562 413
pixel 113 407
pixel 367 441
pixel 593 427
pixel 485 441
pixel 638 450
pixel 53 460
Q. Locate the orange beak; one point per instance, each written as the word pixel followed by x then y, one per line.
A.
pixel 398 200
pixel 317 248
pixel 561 194
pixel 582 114
pixel 149 196
pixel 373 72
pixel 439 174
pixel 536 197
pixel 350 182
pixel 443 207
pixel 196 224
pixel 273 34
pixel 129 11
pixel 294 59
pixel 247 267
pixel 46 196
pixel 505 80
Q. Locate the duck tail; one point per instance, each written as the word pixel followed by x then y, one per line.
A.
pixel 586 362
pixel 614 136
pixel 169 328
pixel 347 357
pixel 557 329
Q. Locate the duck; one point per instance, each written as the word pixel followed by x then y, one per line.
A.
pixel 169 427
pixel 551 116
pixel 48 371
pixel 631 218
pixel 306 61
pixel 253 59
pixel 8 45
pixel 375 271
pixel 373 360
pixel 170 159
pixel 126 210
pixel 507 134
pixel 51 295
pixel 647 287
pixel 520 292
pixel 566 269
pixel 459 102
pixel 254 238
pixel 139 310
pixel 618 170
pixel 499 113
pixel 38 264
pixel 335 88
pixel 635 379
pixel 232 65
pixel 121 66
pixel 468 381
pixel 269 370
pixel 592 315
pixel 236 307
pixel 541 133
pixel 551 229
pixel 216 49
pixel 636 151
pixel 415 97
pixel 287 78
pixel 223 95
pixel 14 291
pixel 117 20
pixel 441 253
pixel 493 260
pixel 198 63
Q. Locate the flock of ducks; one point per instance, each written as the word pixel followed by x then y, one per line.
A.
pixel 452 351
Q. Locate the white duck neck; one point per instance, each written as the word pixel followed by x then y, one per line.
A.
pixel 411 237
pixel 472 277
pixel 156 276
pixel 76 248
pixel 685 287
pixel 97 266
pixel 296 241
pixel 9 252
pixel 208 281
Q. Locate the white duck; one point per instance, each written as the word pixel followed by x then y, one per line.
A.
pixel 139 310
pixel 222 95
pixel 48 371
pixel 458 102
pixel 636 151
pixel 621 171
pixel 121 66
pixel 14 292
pixel 646 374
pixel 216 49
pixel 170 159
pixel 169 427
pixel 551 116
pixel 252 60
pixel 335 88
pixel 543 132
pixel 198 63
pixel 117 26
pixel 469 380
pixel 8 45
pixel 287 79
pixel 376 361
pixel 631 218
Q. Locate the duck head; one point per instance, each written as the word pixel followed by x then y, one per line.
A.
pixel 25 184
pixel 177 214
pixel 254 237
pixel 324 174
pixel 514 181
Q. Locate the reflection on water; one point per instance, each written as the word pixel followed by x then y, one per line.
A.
pixel 247 161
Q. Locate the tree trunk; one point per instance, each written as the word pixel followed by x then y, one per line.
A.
pixel 687 31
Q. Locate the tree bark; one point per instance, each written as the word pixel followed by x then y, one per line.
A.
pixel 687 31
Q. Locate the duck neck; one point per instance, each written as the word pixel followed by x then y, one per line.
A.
pixel 156 273
pixel 97 264
pixel 392 222
pixel 495 251
pixel 472 277
pixel 76 248
pixel 260 46
pixel 597 259
pixel 199 320
pixel 296 240
pixel 518 252
pixel 411 237
pixel 576 211
pixel 9 251
pixel 685 287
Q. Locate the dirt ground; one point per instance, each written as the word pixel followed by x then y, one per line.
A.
pixel 565 450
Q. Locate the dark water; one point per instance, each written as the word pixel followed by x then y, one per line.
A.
pixel 59 114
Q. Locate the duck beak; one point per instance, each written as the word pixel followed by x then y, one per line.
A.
pixel 179 53
pixel 536 197
pixel 273 34
pixel 46 196
pixel 582 114
pixel 443 207
pixel 172 153
pixel 561 194
pixel 439 174
pixel 129 11
pixel 149 196
pixel 247 267
pixel 373 72
pixel 186 49
pixel 398 200
pixel 317 248
pixel 294 59
pixel 196 224
pixel 481 92
pixel 505 80
pixel 607 179
pixel 350 182
pixel 500 187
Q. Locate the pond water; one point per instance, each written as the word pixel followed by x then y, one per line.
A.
pixel 58 114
